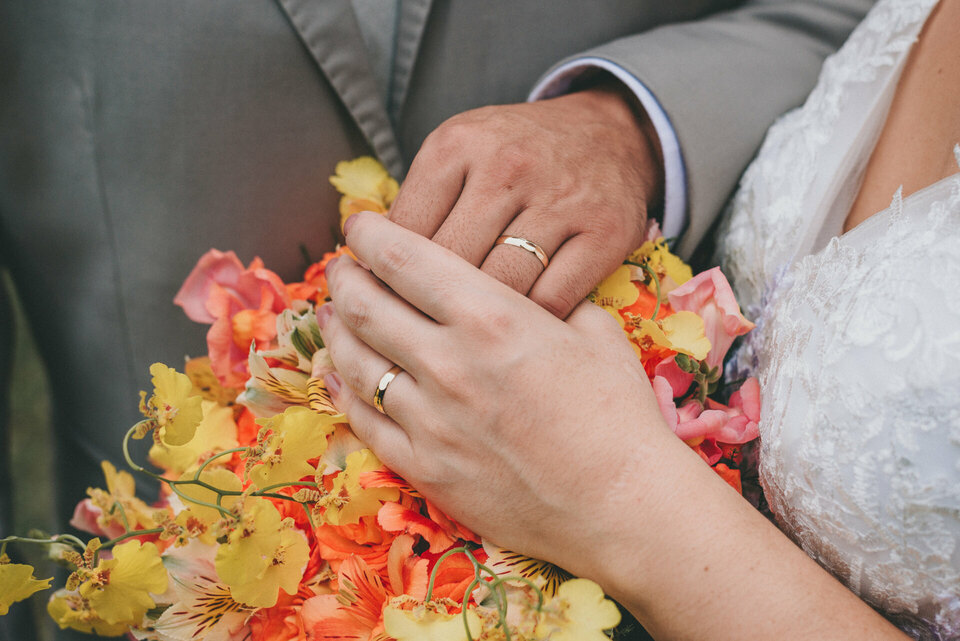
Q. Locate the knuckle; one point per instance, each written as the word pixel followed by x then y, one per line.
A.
pixel 448 138
pixel 513 164
pixel 393 258
pixel 356 314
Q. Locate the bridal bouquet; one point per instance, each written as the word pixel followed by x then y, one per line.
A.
pixel 275 522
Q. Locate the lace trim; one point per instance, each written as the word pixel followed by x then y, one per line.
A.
pixel 857 344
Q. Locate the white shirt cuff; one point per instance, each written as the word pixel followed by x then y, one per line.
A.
pixel 674 172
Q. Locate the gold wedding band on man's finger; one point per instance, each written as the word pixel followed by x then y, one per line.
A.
pixel 523 243
pixel 381 391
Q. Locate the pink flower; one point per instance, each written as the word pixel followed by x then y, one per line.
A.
pixel 88 517
pixel 679 380
pixel 708 295
pixel 694 423
pixel 241 303
pixel 743 414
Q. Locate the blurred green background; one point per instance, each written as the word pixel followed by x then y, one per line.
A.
pixel 30 456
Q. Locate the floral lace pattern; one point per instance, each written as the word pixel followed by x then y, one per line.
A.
pixel 858 340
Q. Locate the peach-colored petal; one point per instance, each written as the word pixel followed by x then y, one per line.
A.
pixel 213 267
pixel 705 424
pixel 679 380
pixel 85 518
pixel 408 573
pixel 663 392
pixel 393 517
pixel 708 295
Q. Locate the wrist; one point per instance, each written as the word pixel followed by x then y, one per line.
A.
pixel 618 105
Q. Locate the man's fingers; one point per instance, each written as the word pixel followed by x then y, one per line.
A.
pixel 476 220
pixel 515 264
pixel 574 271
pixel 428 194
pixel 431 278
pixel 377 316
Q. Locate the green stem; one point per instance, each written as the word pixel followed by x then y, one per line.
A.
pixel 196 476
pixel 309 516
pixel 126 453
pixel 223 511
pixel 128 535
pixel 436 566
pixel 123 515
pixel 463 606
pixel 60 538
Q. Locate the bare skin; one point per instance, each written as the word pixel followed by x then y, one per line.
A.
pixel 576 174
pixel 915 147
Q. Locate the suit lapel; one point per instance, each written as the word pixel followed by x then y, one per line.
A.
pixel 330 32
pixel 411 24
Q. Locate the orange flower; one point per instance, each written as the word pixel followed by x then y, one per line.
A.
pixel 732 477
pixel 314 285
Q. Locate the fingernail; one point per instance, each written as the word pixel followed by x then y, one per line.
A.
pixel 333 383
pixel 348 223
pixel 330 263
pixel 323 314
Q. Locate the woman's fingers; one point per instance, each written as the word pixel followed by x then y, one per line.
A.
pixel 378 431
pixel 431 278
pixel 429 191
pixel 362 368
pixel 377 316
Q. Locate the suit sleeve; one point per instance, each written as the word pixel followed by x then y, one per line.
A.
pixel 723 80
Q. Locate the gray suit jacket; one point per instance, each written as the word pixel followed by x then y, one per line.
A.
pixel 136 134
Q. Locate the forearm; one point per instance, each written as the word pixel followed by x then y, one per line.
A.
pixel 712 567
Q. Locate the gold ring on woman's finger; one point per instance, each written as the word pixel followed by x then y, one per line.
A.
pixel 385 381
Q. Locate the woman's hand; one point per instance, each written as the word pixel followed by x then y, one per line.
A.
pixel 526 428
pixel 544 436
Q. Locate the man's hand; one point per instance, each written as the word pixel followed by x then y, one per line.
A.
pixel 576 175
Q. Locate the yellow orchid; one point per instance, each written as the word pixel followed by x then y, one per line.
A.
pixel 669 268
pixel 293 438
pixel 70 610
pixel 118 590
pixel 118 509
pixel 616 292
pixel 17 583
pixel 685 331
pixel 206 384
pixel 347 501
pixel 366 186
pixel 198 521
pixel 174 405
pixel 423 624
pixel 578 612
pixel 215 433
pixel 263 555
pixel 681 332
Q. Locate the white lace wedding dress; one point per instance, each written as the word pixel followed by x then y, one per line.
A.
pixel 857 345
